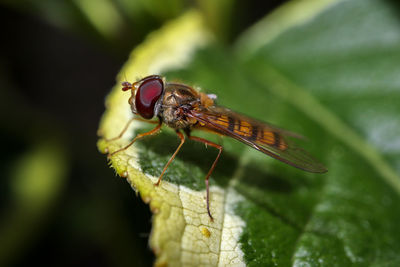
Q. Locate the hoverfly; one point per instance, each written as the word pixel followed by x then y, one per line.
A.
pixel 184 109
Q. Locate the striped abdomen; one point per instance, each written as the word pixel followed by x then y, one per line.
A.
pixel 251 131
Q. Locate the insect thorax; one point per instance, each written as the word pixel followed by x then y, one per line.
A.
pixel 176 99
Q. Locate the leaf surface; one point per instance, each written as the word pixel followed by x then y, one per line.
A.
pixel 330 74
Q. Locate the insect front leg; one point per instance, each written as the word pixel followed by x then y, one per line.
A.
pixel 219 147
pixel 151 132
pixel 126 128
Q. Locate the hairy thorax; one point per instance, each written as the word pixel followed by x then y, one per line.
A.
pixel 178 99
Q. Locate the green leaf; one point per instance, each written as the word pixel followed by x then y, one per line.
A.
pixel 325 69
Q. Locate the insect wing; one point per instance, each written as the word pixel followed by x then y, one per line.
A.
pixel 259 135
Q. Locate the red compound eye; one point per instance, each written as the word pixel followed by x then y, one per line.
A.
pixel 149 91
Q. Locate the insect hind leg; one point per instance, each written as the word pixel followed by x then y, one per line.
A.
pixel 219 147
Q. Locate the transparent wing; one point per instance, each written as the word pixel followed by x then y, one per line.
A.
pixel 259 135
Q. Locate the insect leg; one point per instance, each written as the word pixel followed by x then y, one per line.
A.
pixel 122 132
pixel 154 131
pixel 126 128
pixel 219 147
pixel 182 138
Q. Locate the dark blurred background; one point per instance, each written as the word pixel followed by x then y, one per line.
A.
pixel 61 204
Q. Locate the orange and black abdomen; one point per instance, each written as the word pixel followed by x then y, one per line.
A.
pixel 261 136
pixel 252 132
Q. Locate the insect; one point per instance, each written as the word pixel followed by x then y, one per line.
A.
pixel 184 109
